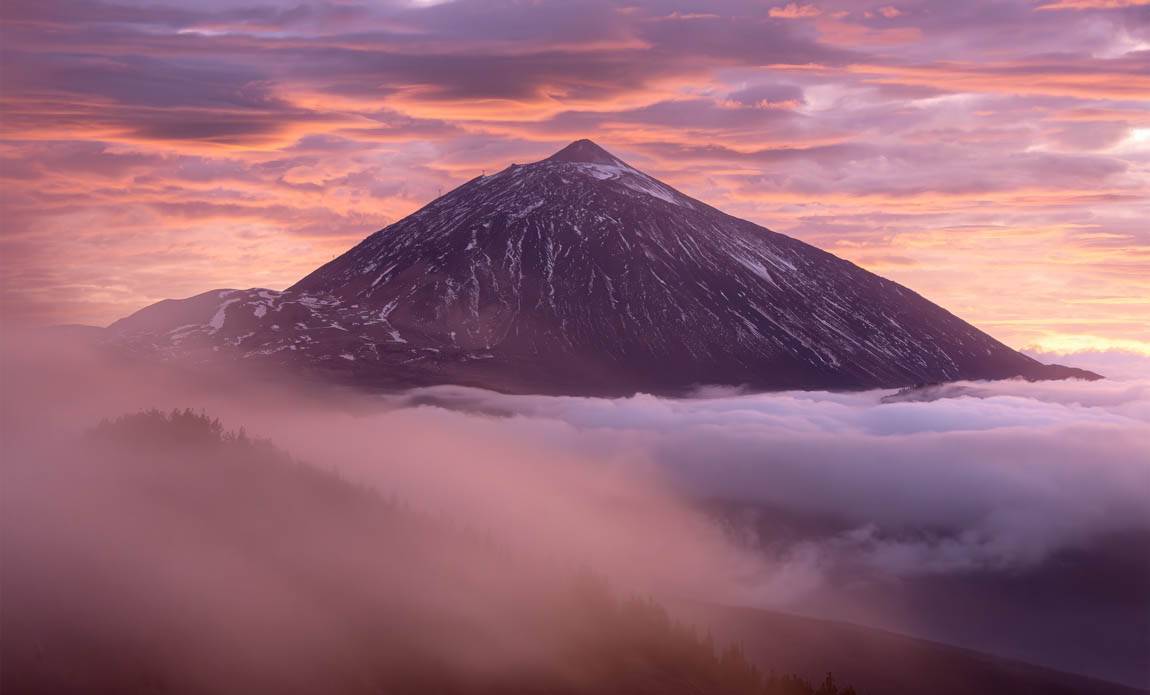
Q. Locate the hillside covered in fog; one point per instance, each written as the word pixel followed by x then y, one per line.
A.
pixel 168 555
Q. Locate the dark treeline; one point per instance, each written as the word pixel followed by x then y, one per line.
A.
pixel 170 555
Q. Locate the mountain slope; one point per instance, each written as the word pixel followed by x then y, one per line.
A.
pixel 161 554
pixel 579 274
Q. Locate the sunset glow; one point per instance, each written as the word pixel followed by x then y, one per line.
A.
pixel 994 157
pixel 493 347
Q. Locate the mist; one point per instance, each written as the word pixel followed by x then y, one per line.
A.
pixel 827 504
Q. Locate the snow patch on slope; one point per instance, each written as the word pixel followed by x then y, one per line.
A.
pixel 634 180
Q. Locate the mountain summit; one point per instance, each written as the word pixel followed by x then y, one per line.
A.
pixel 584 152
pixel 579 274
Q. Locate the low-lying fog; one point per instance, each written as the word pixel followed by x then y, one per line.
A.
pixel 1009 517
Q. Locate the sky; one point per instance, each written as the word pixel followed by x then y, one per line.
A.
pixel 993 156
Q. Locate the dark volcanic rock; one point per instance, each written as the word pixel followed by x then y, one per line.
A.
pixel 581 275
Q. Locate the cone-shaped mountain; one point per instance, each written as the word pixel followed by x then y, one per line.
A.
pixel 579 274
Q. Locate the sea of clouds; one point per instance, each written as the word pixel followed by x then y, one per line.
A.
pixel 876 507
pixel 949 478
pixel 956 478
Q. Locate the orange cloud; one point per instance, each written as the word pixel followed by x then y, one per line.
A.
pixel 841 33
pixel 793 10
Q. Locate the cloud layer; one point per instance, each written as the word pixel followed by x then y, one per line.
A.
pixel 972 476
pixel 868 507
pixel 992 156
pixel 1004 474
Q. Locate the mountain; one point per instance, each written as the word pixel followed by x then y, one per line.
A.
pixel 579 274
